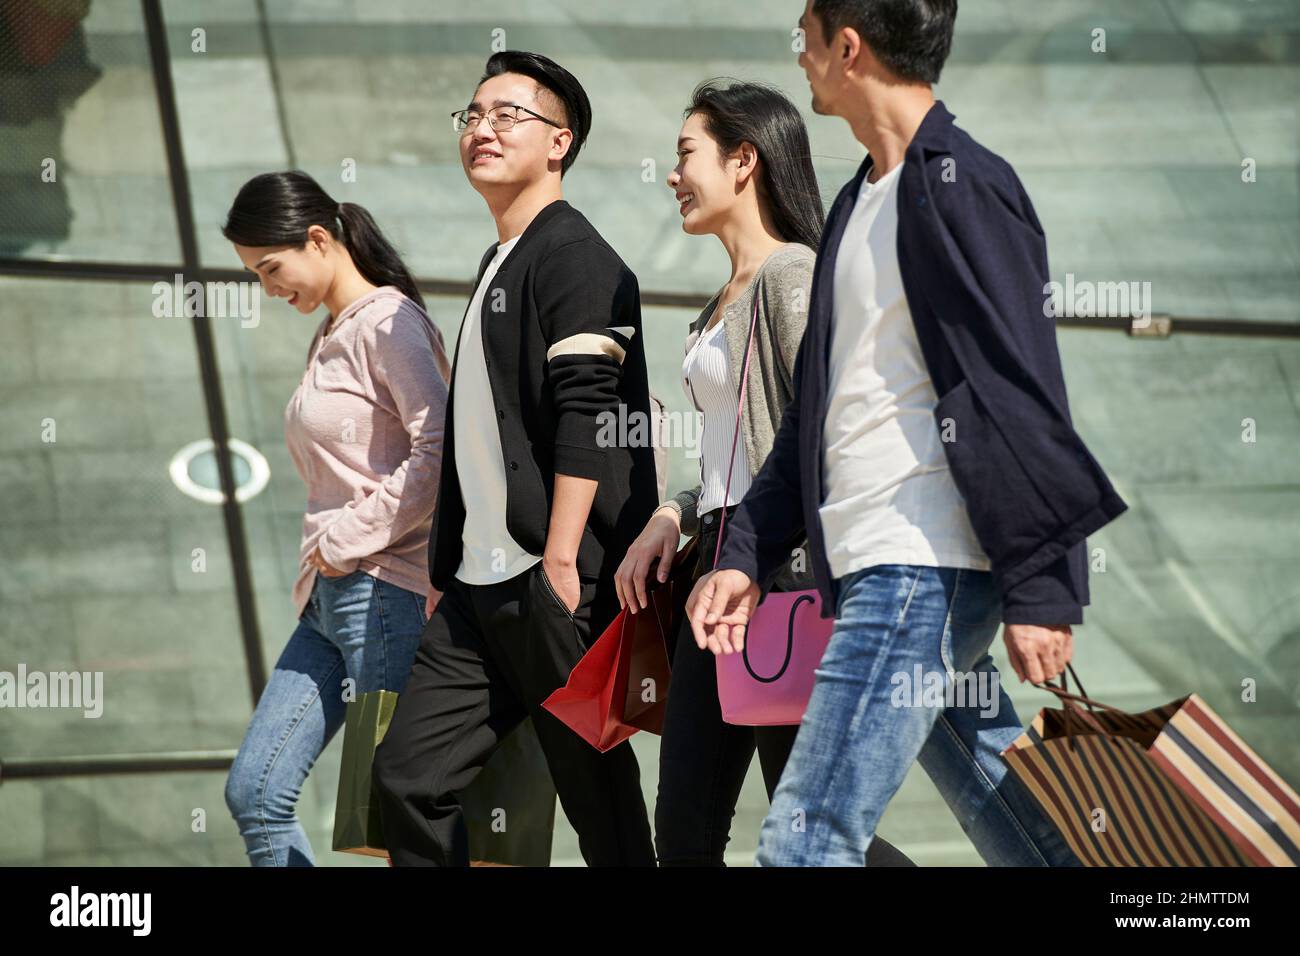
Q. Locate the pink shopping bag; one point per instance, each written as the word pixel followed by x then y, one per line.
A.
pixel 769 682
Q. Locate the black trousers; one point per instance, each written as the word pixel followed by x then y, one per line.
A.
pixel 488 657
pixel 703 760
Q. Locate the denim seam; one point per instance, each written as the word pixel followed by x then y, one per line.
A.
pixel 421 601
pixel 279 751
pixel 858 713
pixel 846 584
pixel 902 615
pixel 947 623
pixel 1015 821
pixel 378 594
pixel 947 627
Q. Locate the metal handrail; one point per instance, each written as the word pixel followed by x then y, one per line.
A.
pixel 109 271
pixel 171 761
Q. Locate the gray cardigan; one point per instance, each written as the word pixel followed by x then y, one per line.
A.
pixel 782 315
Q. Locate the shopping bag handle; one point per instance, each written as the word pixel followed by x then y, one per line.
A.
pixel 680 558
pixel 1070 702
pixel 789 645
pixel 1082 697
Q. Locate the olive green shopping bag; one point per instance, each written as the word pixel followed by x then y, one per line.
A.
pixel 515 784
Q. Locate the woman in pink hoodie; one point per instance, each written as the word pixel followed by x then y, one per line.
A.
pixel 364 429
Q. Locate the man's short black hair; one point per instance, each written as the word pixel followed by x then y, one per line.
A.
pixel 554 79
pixel 911 38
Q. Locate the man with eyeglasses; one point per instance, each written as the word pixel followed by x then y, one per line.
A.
pixel 533 514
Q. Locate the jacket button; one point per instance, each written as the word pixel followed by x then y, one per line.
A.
pixel 501 414
pixel 920 201
pixel 514 466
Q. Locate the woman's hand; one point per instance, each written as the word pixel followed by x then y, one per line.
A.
pixel 659 540
pixel 431 602
pixel 316 561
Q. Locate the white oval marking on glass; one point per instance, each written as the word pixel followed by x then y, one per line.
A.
pixel 258 467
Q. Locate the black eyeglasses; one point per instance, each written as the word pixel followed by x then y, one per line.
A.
pixel 500 118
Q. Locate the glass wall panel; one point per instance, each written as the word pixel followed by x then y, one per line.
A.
pixel 1158 142
pixel 111 574
pixel 83 172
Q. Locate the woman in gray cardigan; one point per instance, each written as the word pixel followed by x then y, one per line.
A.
pixel 745 175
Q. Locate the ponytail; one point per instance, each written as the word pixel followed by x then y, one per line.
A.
pixel 374 256
pixel 277 209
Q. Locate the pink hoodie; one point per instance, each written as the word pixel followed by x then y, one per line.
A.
pixel 364 429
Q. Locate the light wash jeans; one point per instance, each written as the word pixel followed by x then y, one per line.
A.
pixel 355 626
pixel 869 720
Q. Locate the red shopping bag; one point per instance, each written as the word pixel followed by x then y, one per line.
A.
pixel 621 684
pixel 40 28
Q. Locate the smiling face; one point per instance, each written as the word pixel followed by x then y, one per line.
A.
pixel 706 186
pixel 302 274
pixel 522 154
pixel 819 65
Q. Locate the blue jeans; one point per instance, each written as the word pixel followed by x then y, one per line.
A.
pixel 356 627
pixel 907 675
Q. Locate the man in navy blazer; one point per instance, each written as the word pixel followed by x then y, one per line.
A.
pixel 929 457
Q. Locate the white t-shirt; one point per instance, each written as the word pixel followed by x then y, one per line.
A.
pixel 889 497
pixel 490 554
pixel 706 375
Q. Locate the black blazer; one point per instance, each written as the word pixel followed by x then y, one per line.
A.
pixel 565 358
pixel 973 260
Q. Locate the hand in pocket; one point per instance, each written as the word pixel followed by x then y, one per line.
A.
pixel 564 584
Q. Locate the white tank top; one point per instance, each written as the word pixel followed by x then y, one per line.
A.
pixel 707 379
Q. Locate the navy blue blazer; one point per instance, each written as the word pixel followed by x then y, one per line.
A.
pixel 973 260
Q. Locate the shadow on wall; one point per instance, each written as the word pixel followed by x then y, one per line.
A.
pixel 44 69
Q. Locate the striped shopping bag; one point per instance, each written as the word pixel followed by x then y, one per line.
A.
pixel 1172 786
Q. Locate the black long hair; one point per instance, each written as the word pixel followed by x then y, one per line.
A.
pixel 277 209
pixel 738 112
